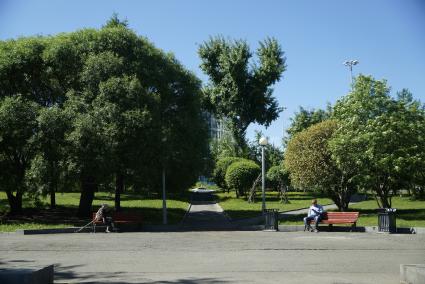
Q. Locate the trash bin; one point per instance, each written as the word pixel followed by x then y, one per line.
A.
pixel 271 218
pixel 387 220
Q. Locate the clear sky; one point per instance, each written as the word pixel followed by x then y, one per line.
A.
pixel 386 36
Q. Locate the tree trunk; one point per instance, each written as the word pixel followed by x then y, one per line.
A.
pixel 52 187
pixel 15 202
pixel 88 187
pixel 383 196
pixel 119 188
pixel 52 198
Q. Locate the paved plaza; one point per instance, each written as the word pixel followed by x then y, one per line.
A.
pixel 216 256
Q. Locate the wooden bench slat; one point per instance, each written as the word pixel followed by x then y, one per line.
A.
pixel 339 218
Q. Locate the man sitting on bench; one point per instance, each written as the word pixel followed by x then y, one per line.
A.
pixel 315 212
pixel 103 214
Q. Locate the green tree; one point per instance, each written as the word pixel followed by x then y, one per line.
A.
pixel 240 176
pixel 278 179
pixel 277 176
pixel 47 167
pixel 273 156
pixel 380 139
pixel 88 155
pixel 17 127
pixel 309 161
pixel 303 119
pixel 239 91
pixel 132 109
pixel 220 170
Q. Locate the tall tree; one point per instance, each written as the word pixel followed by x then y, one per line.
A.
pixel 237 90
pixel 131 109
pixel 380 139
pixel 47 167
pixel 17 127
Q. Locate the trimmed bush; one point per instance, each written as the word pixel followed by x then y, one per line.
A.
pixel 241 174
pixel 277 176
pixel 221 169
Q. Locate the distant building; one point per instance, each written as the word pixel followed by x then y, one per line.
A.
pixel 216 126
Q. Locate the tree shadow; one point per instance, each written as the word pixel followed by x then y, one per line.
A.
pixel 152 216
pixel 68 273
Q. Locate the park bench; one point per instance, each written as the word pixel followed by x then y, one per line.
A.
pixel 120 218
pixel 331 218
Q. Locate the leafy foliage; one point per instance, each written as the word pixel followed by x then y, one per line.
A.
pixel 18 122
pixel 112 106
pixel 273 156
pixel 241 174
pixel 306 118
pixel 277 176
pixel 380 140
pixel 221 169
pixel 310 163
pixel 238 91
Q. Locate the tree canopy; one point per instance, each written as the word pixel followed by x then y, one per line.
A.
pixel 310 163
pixel 115 107
pixel 380 139
pixel 240 90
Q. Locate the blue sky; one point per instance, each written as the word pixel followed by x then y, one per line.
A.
pixel 386 36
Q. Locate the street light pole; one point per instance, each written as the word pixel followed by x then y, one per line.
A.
pixel 263 142
pixel 350 64
pixel 164 199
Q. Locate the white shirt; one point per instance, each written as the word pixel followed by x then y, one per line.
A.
pixel 315 210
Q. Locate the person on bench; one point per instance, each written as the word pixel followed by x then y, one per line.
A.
pixel 315 212
pixel 104 214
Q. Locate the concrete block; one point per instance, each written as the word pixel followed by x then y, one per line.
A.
pixel 412 273
pixel 27 275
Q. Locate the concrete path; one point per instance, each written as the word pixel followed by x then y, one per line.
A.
pixel 206 216
pixel 216 257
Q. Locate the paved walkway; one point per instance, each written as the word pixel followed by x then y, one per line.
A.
pixel 216 257
pixel 206 215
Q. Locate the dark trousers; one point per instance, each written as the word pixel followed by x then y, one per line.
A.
pixel 316 219
pixel 108 222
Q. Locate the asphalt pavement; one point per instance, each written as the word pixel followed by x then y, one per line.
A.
pixel 216 256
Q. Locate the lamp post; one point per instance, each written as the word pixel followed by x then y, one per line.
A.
pixel 350 64
pixel 263 143
pixel 164 198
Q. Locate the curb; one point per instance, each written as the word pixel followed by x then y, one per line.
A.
pixel 235 227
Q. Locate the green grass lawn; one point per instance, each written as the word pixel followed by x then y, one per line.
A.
pixel 409 213
pixel 240 208
pixel 35 217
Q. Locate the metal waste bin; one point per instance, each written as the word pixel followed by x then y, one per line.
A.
pixel 271 219
pixel 387 220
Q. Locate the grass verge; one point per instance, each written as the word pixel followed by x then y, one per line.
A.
pixel 39 216
pixel 240 208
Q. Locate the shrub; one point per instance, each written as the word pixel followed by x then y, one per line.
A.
pixel 220 170
pixel 241 174
pixel 277 176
